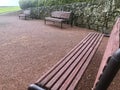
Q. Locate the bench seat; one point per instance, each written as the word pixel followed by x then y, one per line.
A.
pixel 54 19
pixel 68 71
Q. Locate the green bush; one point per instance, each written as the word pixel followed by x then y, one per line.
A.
pixel 25 4
pixel 38 3
pixel 94 14
pixel 99 17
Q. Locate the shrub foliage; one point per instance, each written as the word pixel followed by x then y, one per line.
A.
pixel 37 3
pixel 94 14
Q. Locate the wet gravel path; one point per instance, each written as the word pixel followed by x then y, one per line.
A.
pixel 28 49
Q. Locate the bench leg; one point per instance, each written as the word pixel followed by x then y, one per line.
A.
pixel 61 25
pixel 34 87
pixel 109 72
pixel 45 21
pixel 71 24
pixel 25 17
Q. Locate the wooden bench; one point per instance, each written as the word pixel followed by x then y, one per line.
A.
pixel 112 46
pixel 60 17
pixel 26 14
pixel 69 70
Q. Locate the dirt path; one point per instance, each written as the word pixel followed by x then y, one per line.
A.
pixel 28 49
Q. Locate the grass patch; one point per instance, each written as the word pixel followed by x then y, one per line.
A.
pixel 7 9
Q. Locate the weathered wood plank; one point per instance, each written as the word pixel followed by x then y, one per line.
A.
pixel 63 66
pixel 76 65
pixel 69 70
pixel 80 73
pixel 75 49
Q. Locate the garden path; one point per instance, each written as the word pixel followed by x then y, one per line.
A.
pixel 29 48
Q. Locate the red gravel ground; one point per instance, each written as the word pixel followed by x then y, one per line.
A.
pixel 28 49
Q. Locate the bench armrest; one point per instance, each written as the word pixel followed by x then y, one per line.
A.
pixel 34 87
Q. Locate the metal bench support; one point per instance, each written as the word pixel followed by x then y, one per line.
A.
pixel 34 87
pixel 109 72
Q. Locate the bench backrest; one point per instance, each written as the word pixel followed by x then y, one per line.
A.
pixel 61 14
pixel 27 12
pixel 112 46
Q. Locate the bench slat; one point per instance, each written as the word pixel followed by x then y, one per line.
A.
pixel 43 80
pixel 54 67
pixel 72 62
pixel 54 19
pixel 67 69
pixel 75 67
pixel 80 73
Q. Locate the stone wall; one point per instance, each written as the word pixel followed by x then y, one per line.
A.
pixel 100 17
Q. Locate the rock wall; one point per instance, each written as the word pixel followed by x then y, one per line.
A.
pixel 99 17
